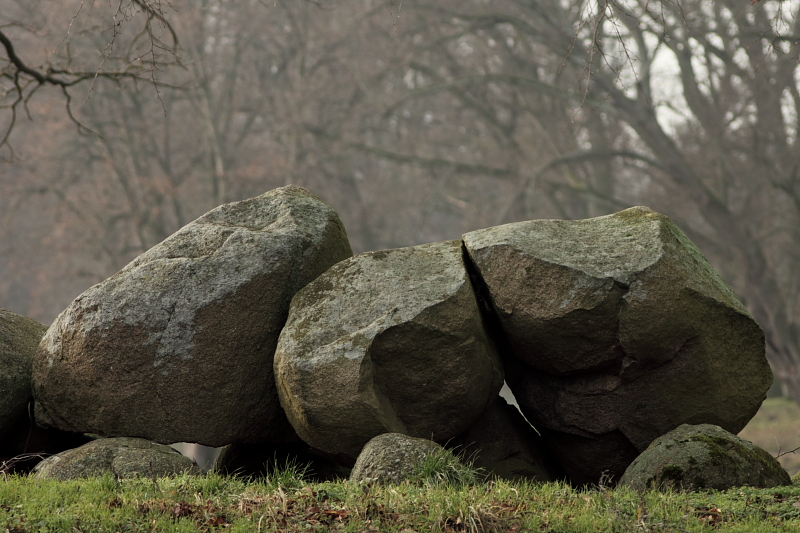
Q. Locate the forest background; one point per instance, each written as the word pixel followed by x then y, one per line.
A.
pixel 416 121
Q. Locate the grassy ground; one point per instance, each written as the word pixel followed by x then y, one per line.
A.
pixel 286 503
pixel 776 428
pixel 443 497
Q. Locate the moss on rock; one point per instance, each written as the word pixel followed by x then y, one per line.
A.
pixel 703 456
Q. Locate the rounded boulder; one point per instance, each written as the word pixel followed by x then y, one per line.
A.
pixel 178 345
pixel 19 338
pixel 122 457
pixel 703 456
pixel 392 458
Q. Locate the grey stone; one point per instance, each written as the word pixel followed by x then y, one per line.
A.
pixel 19 337
pixel 388 341
pixel 178 345
pixel 502 444
pixel 616 331
pixel 123 457
pixel 391 458
pixel 703 456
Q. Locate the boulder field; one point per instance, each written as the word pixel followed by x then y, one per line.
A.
pixel 255 327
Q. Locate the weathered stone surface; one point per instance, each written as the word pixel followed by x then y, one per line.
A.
pixel 616 331
pixel 703 456
pixel 391 458
pixel 19 337
pixel 504 445
pixel 178 345
pixel 388 341
pixel 124 457
pixel 260 460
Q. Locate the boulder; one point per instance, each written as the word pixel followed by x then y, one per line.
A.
pixel 392 458
pixel 178 345
pixel 123 457
pixel 386 342
pixel 502 444
pixel 616 330
pixel 703 456
pixel 260 460
pixel 19 337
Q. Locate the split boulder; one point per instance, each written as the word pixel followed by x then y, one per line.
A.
pixel 617 330
pixel 178 345
pixel 388 341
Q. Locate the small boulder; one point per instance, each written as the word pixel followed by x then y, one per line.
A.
pixel 178 345
pixel 502 444
pixel 19 337
pixel 392 458
pixel 123 457
pixel 616 331
pixel 703 456
pixel 388 341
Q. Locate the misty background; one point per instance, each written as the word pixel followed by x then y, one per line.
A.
pixel 417 121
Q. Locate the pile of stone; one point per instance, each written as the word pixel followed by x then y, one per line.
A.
pixel 255 328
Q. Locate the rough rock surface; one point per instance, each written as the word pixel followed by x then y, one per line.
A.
pixel 259 460
pixel 504 445
pixel 388 341
pixel 178 345
pixel 391 458
pixel 123 457
pixel 617 330
pixel 19 337
pixel 703 456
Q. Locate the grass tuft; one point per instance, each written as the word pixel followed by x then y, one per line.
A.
pixel 443 467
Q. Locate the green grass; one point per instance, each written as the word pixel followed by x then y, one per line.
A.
pixel 283 502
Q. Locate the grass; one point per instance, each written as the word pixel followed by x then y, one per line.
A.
pixel 284 502
pixel 776 428
pixel 442 495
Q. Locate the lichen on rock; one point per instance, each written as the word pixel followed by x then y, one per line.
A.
pixel 703 456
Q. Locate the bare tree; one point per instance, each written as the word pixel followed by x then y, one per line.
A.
pixel 133 40
pixel 720 155
pixel 454 116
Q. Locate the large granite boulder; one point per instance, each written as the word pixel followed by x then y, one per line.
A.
pixel 178 345
pixel 502 444
pixel 19 337
pixel 703 456
pixel 392 458
pixel 123 457
pixel 617 331
pixel 388 341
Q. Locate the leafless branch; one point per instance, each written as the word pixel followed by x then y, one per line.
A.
pixel 26 79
